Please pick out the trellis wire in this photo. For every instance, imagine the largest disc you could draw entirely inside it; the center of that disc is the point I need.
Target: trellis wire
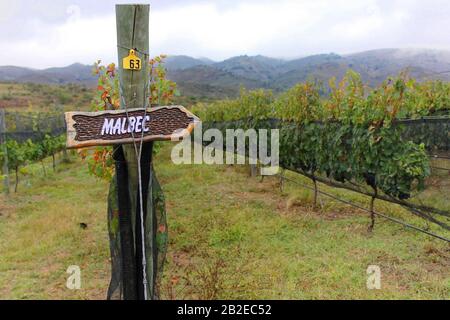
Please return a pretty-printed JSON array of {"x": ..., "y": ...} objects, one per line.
[
  {"x": 138, "y": 155},
  {"x": 435, "y": 143},
  {"x": 365, "y": 209}
]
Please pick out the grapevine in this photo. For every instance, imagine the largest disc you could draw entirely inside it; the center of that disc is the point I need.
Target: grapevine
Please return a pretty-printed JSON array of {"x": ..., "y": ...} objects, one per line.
[
  {"x": 20, "y": 154},
  {"x": 349, "y": 134},
  {"x": 161, "y": 92}
]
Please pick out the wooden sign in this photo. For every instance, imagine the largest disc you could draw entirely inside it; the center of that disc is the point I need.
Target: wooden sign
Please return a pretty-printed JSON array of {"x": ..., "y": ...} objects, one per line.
[{"x": 85, "y": 129}]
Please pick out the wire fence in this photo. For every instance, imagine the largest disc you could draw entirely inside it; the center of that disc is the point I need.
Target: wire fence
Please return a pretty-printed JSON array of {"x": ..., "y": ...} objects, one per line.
[{"x": 371, "y": 211}]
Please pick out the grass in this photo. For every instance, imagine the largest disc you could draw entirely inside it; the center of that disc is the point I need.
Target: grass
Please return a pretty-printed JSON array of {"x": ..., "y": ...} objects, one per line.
[
  {"x": 40, "y": 235},
  {"x": 230, "y": 237},
  {"x": 44, "y": 97}
]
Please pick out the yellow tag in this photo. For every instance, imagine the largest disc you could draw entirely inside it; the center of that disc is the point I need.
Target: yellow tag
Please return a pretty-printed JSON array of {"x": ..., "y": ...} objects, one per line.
[{"x": 132, "y": 62}]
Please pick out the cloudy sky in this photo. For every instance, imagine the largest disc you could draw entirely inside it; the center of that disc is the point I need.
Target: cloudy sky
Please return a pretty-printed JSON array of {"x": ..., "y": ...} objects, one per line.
[{"x": 45, "y": 33}]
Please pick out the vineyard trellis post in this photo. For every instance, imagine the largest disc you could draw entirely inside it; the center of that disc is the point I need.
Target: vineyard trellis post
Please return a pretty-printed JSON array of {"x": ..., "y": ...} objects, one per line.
[
  {"x": 134, "y": 195},
  {"x": 5, "y": 170},
  {"x": 372, "y": 210},
  {"x": 132, "y": 22},
  {"x": 253, "y": 170}
]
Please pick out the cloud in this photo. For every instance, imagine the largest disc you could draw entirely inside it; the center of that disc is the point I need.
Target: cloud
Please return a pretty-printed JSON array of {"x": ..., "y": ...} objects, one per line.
[
  {"x": 206, "y": 30},
  {"x": 77, "y": 39},
  {"x": 48, "y": 33},
  {"x": 7, "y": 10}
]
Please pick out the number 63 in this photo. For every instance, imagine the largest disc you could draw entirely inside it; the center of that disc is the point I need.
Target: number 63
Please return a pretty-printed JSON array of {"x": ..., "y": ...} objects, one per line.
[{"x": 134, "y": 64}]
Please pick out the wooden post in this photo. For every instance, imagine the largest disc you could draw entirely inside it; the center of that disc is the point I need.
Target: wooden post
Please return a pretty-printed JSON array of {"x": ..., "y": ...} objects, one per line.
[
  {"x": 133, "y": 244},
  {"x": 315, "y": 190},
  {"x": 5, "y": 170},
  {"x": 281, "y": 180},
  {"x": 253, "y": 169},
  {"x": 133, "y": 34},
  {"x": 372, "y": 212}
]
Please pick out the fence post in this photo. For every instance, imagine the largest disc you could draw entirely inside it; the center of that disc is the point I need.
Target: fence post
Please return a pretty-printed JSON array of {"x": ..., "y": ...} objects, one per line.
[
  {"x": 132, "y": 23},
  {"x": 5, "y": 151},
  {"x": 253, "y": 169},
  {"x": 372, "y": 212}
]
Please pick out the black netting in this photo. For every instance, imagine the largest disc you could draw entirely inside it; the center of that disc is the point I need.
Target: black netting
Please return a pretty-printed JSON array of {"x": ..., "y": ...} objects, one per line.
[
  {"x": 434, "y": 132},
  {"x": 21, "y": 126},
  {"x": 156, "y": 243},
  {"x": 124, "y": 233},
  {"x": 429, "y": 201}
]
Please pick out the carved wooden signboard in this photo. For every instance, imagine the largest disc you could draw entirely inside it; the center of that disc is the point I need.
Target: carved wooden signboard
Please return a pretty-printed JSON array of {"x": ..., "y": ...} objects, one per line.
[{"x": 111, "y": 127}]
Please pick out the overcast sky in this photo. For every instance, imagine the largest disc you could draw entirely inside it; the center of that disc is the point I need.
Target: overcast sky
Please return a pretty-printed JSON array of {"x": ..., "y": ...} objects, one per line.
[{"x": 46, "y": 33}]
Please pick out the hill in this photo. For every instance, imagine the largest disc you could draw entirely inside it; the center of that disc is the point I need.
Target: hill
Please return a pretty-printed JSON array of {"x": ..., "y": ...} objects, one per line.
[
  {"x": 257, "y": 68},
  {"x": 185, "y": 62},
  {"x": 207, "y": 81},
  {"x": 206, "y": 78},
  {"x": 76, "y": 73}
]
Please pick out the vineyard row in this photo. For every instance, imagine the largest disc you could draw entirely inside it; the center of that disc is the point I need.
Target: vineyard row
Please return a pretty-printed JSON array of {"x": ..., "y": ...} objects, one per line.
[{"x": 353, "y": 135}]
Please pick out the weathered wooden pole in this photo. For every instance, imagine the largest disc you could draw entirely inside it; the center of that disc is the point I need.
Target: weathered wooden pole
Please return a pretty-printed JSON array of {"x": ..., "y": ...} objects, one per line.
[
  {"x": 133, "y": 34},
  {"x": 136, "y": 210},
  {"x": 5, "y": 170}
]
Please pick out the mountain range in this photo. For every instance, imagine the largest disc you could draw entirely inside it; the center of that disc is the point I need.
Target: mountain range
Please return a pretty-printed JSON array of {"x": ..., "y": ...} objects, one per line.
[{"x": 206, "y": 78}]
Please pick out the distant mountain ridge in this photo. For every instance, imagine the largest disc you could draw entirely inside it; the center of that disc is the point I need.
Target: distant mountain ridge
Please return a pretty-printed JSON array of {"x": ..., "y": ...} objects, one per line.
[
  {"x": 204, "y": 77},
  {"x": 185, "y": 62},
  {"x": 74, "y": 73}
]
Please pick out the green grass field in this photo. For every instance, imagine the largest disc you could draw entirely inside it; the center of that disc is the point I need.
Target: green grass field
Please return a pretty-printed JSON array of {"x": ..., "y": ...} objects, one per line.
[{"x": 230, "y": 237}]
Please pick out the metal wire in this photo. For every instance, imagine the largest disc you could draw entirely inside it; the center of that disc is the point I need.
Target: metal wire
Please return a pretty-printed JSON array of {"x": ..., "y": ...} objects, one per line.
[
  {"x": 138, "y": 158},
  {"x": 439, "y": 157},
  {"x": 440, "y": 168},
  {"x": 367, "y": 210},
  {"x": 135, "y": 49},
  {"x": 138, "y": 155}
]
